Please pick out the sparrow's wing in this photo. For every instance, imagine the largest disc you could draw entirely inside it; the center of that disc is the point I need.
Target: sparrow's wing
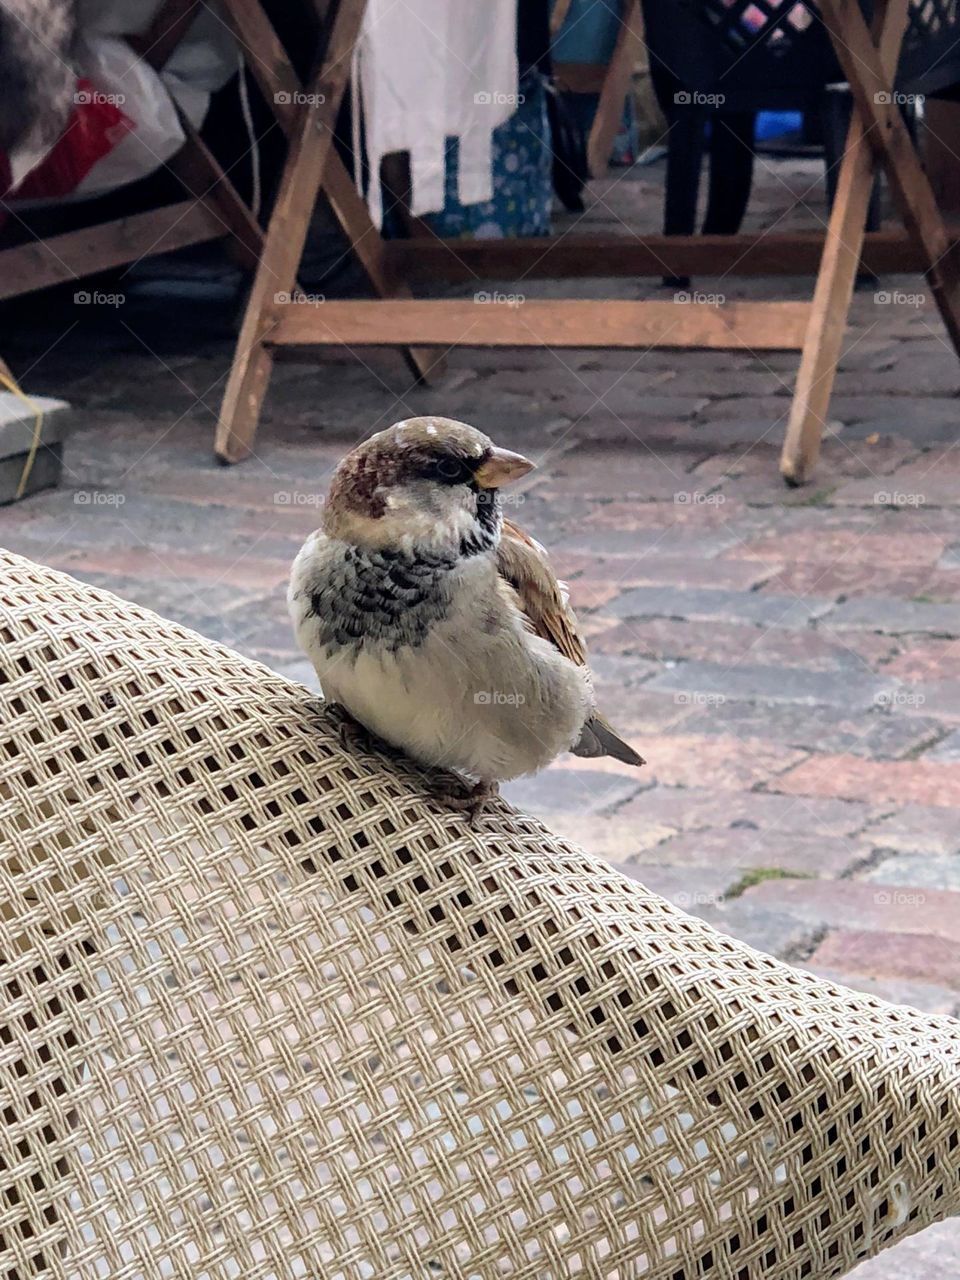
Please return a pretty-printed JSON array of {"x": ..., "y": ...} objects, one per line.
[
  {"x": 542, "y": 599},
  {"x": 545, "y": 604}
]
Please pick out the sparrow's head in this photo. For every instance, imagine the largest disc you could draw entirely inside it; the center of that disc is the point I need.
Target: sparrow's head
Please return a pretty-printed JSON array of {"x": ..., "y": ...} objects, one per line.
[{"x": 425, "y": 483}]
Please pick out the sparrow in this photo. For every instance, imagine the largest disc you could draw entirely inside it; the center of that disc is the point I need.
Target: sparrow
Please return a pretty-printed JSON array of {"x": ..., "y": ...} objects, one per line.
[{"x": 435, "y": 623}]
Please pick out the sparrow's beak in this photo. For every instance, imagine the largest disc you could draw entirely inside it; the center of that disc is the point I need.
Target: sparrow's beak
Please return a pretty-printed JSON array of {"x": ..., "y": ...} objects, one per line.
[{"x": 501, "y": 467}]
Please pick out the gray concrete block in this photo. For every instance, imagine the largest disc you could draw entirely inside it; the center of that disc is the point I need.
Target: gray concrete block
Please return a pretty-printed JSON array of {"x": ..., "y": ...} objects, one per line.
[{"x": 17, "y": 428}]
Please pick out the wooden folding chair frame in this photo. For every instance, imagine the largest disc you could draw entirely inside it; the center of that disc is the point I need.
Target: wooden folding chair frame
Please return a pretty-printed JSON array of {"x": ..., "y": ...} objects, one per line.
[
  {"x": 307, "y": 114},
  {"x": 276, "y": 316},
  {"x": 877, "y": 136}
]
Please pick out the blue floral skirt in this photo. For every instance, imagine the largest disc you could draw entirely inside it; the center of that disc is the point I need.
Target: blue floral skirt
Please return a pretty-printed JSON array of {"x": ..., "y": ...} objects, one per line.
[{"x": 522, "y": 177}]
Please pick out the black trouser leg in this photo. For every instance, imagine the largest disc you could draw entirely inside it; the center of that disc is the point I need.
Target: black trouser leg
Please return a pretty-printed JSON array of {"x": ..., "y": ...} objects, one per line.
[
  {"x": 836, "y": 113},
  {"x": 731, "y": 171},
  {"x": 685, "y": 142}
]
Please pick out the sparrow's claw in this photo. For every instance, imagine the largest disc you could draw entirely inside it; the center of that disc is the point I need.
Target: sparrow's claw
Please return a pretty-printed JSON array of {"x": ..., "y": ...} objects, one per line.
[
  {"x": 478, "y": 797},
  {"x": 470, "y": 801},
  {"x": 352, "y": 734}
]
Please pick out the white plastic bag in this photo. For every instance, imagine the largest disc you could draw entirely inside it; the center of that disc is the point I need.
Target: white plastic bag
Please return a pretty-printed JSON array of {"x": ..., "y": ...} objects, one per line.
[
  {"x": 202, "y": 62},
  {"x": 140, "y": 93}
]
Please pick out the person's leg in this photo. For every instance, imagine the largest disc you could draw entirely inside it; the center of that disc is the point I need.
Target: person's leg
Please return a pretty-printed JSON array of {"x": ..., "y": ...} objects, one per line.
[
  {"x": 731, "y": 171},
  {"x": 685, "y": 141}
]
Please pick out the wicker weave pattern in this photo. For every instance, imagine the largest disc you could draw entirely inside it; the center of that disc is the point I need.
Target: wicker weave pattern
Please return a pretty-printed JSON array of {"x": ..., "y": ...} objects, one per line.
[{"x": 270, "y": 1013}]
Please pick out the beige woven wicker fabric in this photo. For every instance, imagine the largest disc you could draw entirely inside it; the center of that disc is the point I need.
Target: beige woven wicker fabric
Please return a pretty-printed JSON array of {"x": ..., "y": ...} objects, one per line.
[{"x": 270, "y": 1013}]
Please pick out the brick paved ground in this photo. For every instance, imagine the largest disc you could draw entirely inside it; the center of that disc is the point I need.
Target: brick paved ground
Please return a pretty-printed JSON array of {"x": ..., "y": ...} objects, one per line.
[{"x": 789, "y": 662}]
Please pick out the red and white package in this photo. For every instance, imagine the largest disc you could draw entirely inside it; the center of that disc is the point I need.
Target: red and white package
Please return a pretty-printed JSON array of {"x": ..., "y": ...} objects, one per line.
[
  {"x": 96, "y": 126},
  {"x": 125, "y": 122}
]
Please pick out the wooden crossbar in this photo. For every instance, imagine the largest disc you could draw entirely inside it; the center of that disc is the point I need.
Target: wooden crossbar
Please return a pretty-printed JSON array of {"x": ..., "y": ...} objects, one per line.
[
  {"x": 38, "y": 264},
  {"x": 538, "y": 323},
  {"x": 596, "y": 256}
]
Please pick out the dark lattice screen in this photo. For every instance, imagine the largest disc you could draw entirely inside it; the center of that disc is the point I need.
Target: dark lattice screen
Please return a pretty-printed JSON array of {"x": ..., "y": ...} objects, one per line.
[
  {"x": 743, "y": 23},
  {"x": 933, "y": 28},
  {"x": 931, "y": 44},
  {"x": 930, "y": 17}
]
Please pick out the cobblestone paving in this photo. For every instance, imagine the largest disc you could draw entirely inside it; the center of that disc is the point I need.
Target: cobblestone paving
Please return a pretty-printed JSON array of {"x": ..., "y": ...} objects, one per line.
[{"x": 788, "y": 661}]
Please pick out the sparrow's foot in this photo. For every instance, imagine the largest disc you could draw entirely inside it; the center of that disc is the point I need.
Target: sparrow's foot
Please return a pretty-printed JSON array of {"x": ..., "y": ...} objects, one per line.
[
  {"x": 353, "y": 736},
  {"x": 470, "y": 801}
]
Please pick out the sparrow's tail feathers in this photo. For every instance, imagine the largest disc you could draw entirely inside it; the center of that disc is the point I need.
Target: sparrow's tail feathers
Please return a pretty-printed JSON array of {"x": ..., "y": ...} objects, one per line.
[{"x": 599, "y": 738}]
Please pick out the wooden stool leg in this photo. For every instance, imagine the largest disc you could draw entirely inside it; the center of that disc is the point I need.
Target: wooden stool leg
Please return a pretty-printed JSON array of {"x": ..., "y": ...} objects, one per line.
[
  {"x": 835, "y": 281},
  {"x": 311, "y": 147},
  {"x": 870, "y": 83},
  {"x": 275, "y": 277},
  {"x": 828, "y": 317}
]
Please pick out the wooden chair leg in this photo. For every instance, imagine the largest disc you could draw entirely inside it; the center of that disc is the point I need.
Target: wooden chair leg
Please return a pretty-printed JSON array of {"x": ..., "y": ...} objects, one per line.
[
  {"x": 836, "y": 279},
  {"x": 310, "y": 150},
  {"x": 616, "y": 84},
  {"x": 275, "y": 276},
  {"x": 828, "y": 317},
  {"x": 870, "y": 83}
]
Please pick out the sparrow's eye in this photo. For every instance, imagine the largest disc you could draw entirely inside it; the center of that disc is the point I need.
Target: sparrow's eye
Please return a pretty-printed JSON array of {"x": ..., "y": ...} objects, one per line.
[{"x": 451, "y": 471}]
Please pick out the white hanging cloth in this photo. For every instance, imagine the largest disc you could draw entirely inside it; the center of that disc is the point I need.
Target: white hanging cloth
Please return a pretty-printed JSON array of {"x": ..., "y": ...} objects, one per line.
[{"x": 426, "y": 70}]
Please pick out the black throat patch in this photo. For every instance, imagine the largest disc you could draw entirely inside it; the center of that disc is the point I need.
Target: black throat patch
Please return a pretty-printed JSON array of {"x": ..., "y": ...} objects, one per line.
[{"x": 489, "y": 523}]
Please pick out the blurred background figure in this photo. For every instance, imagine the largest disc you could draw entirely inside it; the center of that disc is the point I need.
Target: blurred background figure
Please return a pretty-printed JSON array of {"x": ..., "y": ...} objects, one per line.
[{"x": 37, "y": 78}]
